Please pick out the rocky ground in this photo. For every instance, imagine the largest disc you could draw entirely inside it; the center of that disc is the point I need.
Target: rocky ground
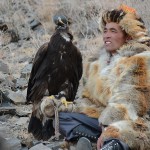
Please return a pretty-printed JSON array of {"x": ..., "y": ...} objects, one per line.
[
  {"x": 21, "y": 34},
  {"x": 23, "y": 29},
  {"x": 24, "y": 26}
]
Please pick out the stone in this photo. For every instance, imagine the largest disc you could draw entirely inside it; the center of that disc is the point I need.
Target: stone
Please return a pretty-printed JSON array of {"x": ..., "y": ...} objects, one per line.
[
  {"x": 22, "y": 120},
  {"x": 14, "y": 35},
  {"x": 3, "y": 131},
  {"x": 4, "y": 99},
  {"x": 17, "y": 97},
  {"x": 14, "y": 144},
  {"x": 26, "y": 71},
  {"x": 24, "y": 148},
  {"x": 21, "y": 83},
  {"x": 24, "y": 92},
  {"x": 40, "y": 147},
  {"x": 22, "y": 113},
  {"x": 4, "y": 67},
  {"x": 34, "y": 23},
  {"x": 3, "y": 144},
  {"x": 2, "y": 76},
  {"x": 7, "y": 110}
]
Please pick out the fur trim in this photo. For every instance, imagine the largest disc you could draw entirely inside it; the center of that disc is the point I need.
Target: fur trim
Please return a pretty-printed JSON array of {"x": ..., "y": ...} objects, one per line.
[
  {"x": 125, "y": 131},
  {"x": 132, "y": 48},
  {"x": 129, "y": 21},
  {"x": 134, "y": 27}
]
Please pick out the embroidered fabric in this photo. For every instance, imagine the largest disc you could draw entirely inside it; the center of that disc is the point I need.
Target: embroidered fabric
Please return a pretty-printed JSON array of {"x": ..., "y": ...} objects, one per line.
[
  {"x": 85, "y": 131},
  {"x": 114, "y": 144}
]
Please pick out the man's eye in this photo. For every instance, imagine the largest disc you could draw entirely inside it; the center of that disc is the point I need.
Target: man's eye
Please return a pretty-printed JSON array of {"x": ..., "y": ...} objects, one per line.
[{"x": 114, "y": 31}]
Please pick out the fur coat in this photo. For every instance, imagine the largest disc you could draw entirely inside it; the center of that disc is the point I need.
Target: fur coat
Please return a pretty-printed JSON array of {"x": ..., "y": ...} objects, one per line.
[{"x": 116, "y": 90}]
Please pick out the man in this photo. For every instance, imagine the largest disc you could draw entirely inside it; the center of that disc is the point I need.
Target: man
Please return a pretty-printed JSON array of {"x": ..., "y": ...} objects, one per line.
[{"x": 116, "y": 88}]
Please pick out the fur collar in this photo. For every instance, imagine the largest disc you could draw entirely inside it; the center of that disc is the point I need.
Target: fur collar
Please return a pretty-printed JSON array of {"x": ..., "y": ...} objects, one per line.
[{"x": 132, "y": 48}]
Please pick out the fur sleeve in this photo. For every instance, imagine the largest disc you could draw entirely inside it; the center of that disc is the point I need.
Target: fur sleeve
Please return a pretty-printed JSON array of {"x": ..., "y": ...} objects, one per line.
[{"x": 129, "y": 102}]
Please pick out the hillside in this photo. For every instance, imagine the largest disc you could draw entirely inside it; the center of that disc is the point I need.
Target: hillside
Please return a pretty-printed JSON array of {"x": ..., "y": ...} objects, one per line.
[{"x": 24, "y": 26}]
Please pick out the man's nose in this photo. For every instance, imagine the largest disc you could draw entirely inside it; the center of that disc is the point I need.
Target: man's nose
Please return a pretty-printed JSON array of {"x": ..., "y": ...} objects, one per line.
[{"x": 107, "y": 35}]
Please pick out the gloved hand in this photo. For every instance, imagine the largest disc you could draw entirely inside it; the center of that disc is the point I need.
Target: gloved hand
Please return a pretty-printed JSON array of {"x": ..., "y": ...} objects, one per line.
[{"x": 50, "y": 103}]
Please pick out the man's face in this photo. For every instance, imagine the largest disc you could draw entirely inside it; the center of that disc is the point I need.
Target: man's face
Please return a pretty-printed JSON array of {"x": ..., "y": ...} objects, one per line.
[{"x": 113, "y": 37}]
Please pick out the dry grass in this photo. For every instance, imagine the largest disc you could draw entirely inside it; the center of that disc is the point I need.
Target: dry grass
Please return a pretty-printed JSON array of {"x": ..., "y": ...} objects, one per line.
[{"x": 85, "y": 15}]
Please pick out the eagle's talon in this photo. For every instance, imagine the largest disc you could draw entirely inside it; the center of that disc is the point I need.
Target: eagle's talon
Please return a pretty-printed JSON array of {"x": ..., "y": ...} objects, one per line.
[
  {"x": 52, "y": 97},
  {"x": 65, "y": 102}
]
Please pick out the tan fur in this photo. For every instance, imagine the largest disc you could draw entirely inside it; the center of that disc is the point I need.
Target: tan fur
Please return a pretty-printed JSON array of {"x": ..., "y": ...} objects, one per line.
[
  {"x": 135, "y": 134},
  {"x": 128, "y": 83},
  {"x": 133, "y": 26},
  {"x": 110, "y": 132},
  {"x": 91, "y": 112}
]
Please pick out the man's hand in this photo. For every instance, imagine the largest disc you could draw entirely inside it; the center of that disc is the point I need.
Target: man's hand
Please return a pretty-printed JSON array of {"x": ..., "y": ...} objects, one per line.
[{"x": 99, "y": 143}]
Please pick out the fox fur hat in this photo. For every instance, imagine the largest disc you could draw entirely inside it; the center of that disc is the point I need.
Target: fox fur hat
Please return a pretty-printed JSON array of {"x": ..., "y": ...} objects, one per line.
[{"x": 129, "y": 21}]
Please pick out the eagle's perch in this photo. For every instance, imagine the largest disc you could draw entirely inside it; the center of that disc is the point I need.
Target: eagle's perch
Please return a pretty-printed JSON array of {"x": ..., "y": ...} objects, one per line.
[{"x": 57, "y": 68}]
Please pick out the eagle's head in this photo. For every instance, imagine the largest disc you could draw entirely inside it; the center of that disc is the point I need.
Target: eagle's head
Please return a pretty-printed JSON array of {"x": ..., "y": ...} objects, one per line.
[
  {"x": 61, "y": 21},
  {"x": 62, "y": 26}
]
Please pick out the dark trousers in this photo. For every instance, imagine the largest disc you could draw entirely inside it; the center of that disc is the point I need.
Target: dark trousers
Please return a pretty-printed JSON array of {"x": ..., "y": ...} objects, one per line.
[{"x": 69, "y": 122}]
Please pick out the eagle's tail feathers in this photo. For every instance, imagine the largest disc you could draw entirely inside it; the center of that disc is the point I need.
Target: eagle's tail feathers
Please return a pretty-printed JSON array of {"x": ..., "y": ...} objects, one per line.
[
  {"x": 39, "y": 131},
  {"x": 35, "y": 127},
  {"x": 48, "y": 130}
]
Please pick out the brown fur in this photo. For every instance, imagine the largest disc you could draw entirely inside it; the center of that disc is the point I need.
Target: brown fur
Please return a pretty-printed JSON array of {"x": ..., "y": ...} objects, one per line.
[
  {"x": 110, "y": 132},
  {"x": 91, "y": 112}
]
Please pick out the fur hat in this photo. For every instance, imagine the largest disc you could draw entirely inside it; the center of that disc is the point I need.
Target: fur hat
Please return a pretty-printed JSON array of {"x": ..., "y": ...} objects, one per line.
[{"x": 129, "y": 21}]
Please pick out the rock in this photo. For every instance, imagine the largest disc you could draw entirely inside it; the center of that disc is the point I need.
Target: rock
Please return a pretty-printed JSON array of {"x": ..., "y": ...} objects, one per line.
[
  {"x": 8, "y": 82},
  {"x": 3, "y": 131},
  {"x": 14, "y": 35},
  {"x": 26, "y": 71},
  {"x": 4, "y": 118},
  {"x": 3, "y": 26},
  {"x": 3, "y": 143},
  {"x": 21, "y": 83},
  {"x": 24, "y": 148},
  {"x": 14, "y": 144},
  {"x": 24, "y": 92},
  {"x": 55, "y": 145},
  {"x": 23, "y": 59},
  {"x": 7, "y": 142},
  {"x": 28, "y": 141},
  {"x": 17, "y": 97},
  {"x": 2, "y": 76},
  {"x": 4, "y": 99},
  {"x": 22, "y": 121},
  {"x": 24, "y": 33},
  {"x": 34, "y": 23},
  {"x": 16, "y": 76},
  {"x": 22, "y": 113},
  {"x": 40, "y": 147},
  {"x": 4, "y": 67},
  {"x": 7, "y": 110},
  {"x": 23, "y": 110}
]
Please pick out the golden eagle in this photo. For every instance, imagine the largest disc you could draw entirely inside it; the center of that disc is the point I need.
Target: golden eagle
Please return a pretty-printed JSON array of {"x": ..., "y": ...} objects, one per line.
[{"x": 57, "y": 68}]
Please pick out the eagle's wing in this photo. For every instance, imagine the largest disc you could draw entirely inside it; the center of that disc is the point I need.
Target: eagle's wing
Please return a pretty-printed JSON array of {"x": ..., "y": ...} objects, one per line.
[
  {"x": 33, "y": 84},
  {"x": 78, "y": 73},
  {"x": 79, "y": 65}
]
